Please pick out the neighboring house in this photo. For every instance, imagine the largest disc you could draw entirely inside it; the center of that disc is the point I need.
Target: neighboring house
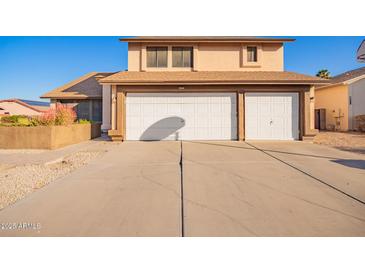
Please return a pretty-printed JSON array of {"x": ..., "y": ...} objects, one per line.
[
  {"x": 205, "y": 88},
  {"x": 22, "y": 107},
  {"x": 339, "y": 102},
  {"x": 83, "y": 94}
]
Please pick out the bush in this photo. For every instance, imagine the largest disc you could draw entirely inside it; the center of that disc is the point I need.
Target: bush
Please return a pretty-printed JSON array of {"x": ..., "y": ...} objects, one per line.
[
  {"x": 360, "y": 123},
  {"x": 64, "y": 115},
  {"x": 84, "y": 121},
  {"x": 47, "y": 118},
  {"x": 12, "y": 119},
  {"x": 61, "y": 116}
]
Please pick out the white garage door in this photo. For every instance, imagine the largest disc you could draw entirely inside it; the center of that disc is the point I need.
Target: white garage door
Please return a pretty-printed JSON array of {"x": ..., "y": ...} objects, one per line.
[
  {"x": 181, "y": 116},
  {"x": 271, "y": 116}
]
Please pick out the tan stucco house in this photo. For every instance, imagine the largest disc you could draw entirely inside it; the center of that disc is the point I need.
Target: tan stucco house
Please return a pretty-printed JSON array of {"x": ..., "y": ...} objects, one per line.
[
  {"x": 202, "y": 88},
  {"x": 22, "y": 107},
  {"x": 84, "y": 94},
  {"x": 339, "y": 102}
]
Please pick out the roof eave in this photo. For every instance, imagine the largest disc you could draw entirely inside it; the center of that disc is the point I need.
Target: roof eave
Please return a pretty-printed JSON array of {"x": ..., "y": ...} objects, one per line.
[
  {"x": 329, "y": 85},
  {"x": 251, "y": 40},
  {"x": 69, "y": 97},
  {"x": 212, "y": 83}
]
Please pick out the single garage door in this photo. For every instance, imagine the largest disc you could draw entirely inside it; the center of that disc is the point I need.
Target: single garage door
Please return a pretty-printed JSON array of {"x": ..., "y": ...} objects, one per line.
[
  {"x": 181, "y": 116},
  {"x": 271, "y": 116}
]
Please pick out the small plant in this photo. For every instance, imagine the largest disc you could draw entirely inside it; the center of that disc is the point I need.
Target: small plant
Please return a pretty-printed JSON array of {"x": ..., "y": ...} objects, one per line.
[
  {"x": 61, "y": 116},
  {"x": 47, "y": 118},
  {"x": 64, "y": 115},
  {"x": 84, "y": 121},
  {"x": 360, "y": 123},
  {"x": 12, "y": 119}
]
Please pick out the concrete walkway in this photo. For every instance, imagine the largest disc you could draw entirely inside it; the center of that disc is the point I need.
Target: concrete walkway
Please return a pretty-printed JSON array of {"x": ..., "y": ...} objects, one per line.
[{"x": 229, "y": 189}]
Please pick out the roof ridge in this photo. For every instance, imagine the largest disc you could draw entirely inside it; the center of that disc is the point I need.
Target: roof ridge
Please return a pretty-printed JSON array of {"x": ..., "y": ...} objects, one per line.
[
  {"x": 72, "y": 83},
  {"x": 349, "y": 71}
]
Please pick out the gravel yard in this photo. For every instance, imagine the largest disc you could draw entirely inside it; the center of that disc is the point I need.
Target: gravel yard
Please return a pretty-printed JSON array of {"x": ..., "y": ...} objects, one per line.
[
  {"x": 18, "y": 181},
  {"x": 349, "y": 141}
]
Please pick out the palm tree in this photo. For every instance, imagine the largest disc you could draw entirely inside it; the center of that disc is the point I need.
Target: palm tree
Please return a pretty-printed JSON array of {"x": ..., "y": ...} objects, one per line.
[{"x": 324, "y": 73}]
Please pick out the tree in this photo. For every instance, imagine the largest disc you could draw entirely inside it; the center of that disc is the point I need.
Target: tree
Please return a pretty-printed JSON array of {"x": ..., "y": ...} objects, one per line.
[{"x": 324, "y": 73}]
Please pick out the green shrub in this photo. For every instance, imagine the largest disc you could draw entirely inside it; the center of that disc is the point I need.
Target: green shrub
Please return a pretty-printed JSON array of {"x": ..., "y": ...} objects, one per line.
[
  {"x": 84, "y": 121},
  {"x": 12, "y": 119},
  {"x": 23, "y": 121}
]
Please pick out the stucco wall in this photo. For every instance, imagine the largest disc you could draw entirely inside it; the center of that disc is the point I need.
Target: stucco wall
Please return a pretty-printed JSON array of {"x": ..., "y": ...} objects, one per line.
[
  {"x": 357, "y": 107},
  {"x": 335, "y": 100},
  {"x": 106, "y": 108},
  {"x": 216, "y": 57},
  {"x": 16, "y": 109},
  {"x": 46, "y": 137}
]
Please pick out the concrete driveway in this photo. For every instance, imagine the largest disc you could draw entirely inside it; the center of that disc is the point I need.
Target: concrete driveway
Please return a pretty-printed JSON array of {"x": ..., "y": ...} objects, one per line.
[{"x": 221, "y": 189}]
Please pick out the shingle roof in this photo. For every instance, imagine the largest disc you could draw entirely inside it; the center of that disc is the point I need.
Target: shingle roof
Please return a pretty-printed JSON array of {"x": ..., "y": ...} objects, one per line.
[
  {"x": 206, "y": 39},
  {"x": 348, "y": 75},
  {"x": 86, "y": 86},
  {"x": 214, "y": 77}
]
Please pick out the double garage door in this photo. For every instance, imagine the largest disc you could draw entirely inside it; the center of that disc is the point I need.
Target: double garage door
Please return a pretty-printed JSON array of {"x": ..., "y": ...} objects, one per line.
[{"x": 210, "y": 116}]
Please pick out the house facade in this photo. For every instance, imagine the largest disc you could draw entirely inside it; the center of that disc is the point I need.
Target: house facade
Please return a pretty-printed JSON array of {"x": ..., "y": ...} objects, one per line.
[
  {"x": 200, "y": 88},
  {"x": 208, "y": 88},
  {"x": 340, "y": 101}
]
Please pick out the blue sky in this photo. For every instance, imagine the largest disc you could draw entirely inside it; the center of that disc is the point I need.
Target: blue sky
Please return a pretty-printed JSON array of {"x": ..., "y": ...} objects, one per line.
[{"x": 31, "y": 66}]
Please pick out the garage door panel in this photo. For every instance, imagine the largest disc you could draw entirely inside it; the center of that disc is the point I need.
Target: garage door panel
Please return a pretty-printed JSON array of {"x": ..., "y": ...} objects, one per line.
[
  {"x": 188, "y": 108},
  {"x": 271, "y": 116},
  {"x": 173, "y": 109},
  {"x": 202, "y": 108},
  {"x": 205, "y": 116}
]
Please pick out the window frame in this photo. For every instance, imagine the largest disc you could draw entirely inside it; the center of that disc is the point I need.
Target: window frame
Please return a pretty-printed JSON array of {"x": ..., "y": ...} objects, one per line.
[
  {"x": 156, "y": 49},
  {"x": 255, "y": 54},
  {"x": 244, "y": 56},
  {"x": 183, "y": 50}
]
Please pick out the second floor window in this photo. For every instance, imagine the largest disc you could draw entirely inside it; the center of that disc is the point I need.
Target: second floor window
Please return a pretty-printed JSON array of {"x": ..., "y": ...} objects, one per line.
[
  {"x": 251, "y": 54},
  {"x": 182, "y": 57},
  {"x": 157, "y": 57}
]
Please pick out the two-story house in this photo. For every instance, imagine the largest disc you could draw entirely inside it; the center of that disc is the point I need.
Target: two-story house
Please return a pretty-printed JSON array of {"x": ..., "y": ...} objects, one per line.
[{"x": 206, "y": 88}]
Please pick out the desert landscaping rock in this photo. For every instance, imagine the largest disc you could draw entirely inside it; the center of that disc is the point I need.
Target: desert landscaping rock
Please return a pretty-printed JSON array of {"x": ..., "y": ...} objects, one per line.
[
  {"x": 350, "y": 141},
  {"x": 19, "y": 181}
]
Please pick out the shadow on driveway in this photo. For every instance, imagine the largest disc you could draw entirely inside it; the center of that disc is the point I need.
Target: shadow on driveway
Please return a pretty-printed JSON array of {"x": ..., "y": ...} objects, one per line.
[{"x": 360, "y": 164}]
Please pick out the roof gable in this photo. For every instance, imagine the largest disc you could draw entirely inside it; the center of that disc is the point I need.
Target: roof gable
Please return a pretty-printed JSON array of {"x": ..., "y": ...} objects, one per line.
[{"x": 87, "y": 86}]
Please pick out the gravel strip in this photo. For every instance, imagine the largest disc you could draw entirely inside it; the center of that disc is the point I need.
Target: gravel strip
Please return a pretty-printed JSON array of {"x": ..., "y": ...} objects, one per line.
[
  {"x": 349, "y": 141},
  {"x": 17, "y": 182}
]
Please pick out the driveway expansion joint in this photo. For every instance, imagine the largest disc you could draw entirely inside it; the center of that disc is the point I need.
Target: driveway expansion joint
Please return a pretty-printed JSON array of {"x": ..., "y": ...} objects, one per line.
[{"x": 182, "y": 190}]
